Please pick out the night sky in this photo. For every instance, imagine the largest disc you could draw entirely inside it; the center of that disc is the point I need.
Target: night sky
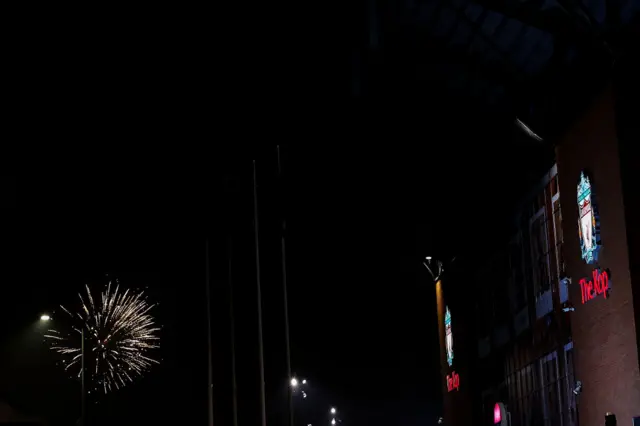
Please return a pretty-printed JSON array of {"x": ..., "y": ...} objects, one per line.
[
  {"x": 362, "y": 314},
  {"x": 158, "y": 120}
]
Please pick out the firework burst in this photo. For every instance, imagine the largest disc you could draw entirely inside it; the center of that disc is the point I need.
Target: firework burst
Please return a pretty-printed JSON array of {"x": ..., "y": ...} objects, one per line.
[{"x": 120, "y": 336}]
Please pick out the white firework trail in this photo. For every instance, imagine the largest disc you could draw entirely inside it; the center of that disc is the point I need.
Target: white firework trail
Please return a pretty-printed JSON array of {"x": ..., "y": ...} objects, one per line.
[{"x": 120, "y": 336}]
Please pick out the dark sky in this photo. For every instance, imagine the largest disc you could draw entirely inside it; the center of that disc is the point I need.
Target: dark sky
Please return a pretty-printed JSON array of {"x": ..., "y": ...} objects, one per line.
[
  {"x": 360, "y": 218},
  {"x": 154, "y": 116}
]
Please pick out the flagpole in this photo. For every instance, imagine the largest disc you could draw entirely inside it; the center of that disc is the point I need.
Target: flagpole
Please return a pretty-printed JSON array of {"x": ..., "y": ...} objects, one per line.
[
  {"x": 210, "y": 373},
  {"x": 263, "y": 408},
  {"x": 234, "y": 387},
  {"x": 285, "y": 293}
]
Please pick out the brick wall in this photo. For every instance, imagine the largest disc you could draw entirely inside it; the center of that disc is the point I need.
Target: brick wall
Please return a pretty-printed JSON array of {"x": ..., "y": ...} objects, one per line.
[
  {"x": 627, "y": 94},
  {"x": 604, "y": 330}
]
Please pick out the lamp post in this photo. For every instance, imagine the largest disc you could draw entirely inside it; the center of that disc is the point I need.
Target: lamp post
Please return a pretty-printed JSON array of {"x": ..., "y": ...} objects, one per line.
[
  {"x": 46, "y": 318},
  {"x": 82, "y": 412}
]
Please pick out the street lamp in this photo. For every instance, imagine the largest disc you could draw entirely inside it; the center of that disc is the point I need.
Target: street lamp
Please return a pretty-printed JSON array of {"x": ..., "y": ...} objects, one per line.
[
  {"x": 333, "y": 410},
  {"x": 295, "y": 386},
  {"x": 296, "y": 383},
  {"x": 333, "y": 421},
  {"x": 83, "y": 412},
  {"x": 45, "y": 318}
]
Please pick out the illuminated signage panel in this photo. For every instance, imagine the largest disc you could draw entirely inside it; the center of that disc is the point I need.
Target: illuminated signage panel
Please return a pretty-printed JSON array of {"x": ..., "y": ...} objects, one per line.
[
  {"x": 449, "y": 336},
  {"x": 588, "y": 221}
]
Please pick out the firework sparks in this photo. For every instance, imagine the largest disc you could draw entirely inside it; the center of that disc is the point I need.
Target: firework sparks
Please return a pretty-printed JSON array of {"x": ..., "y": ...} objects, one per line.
[{"x": 119, "y": 334}]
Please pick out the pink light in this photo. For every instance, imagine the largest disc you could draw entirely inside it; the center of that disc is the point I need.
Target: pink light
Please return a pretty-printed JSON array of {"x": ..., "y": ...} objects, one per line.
[{"x": 497, "y": 414}]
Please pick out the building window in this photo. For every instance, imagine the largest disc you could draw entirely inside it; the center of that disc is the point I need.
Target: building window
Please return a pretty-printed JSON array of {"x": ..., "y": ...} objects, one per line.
[
  {"x": 517, "y": 283},
  {"x": 539, "y": 394},
  {"x": 558, "y": 237},
  {"x": 547, "y": 238},
  {"x": 550, "y": 390},
  {"x": 570, "y": 414},
  {"x": 521, "y": 390},
  {"x": 540, "y": 253}
]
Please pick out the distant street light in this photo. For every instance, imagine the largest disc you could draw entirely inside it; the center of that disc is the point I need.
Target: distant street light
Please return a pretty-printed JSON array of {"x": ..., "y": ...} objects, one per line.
[
  {"x": 333, "y": 421},
  {"x": 45, "y": 317},
  {"x": 297, "y": 383},
  {"x": 333, "y": 410}
]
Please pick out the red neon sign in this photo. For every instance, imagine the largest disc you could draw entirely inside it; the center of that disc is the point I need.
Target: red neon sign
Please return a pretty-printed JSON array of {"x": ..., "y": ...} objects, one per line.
[
  {"x": 453, "y": 382},
  {"x": 597, "y": 285}
]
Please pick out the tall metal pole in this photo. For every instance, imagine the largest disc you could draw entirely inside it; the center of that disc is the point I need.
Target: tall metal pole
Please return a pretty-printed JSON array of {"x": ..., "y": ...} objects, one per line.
[
  {"x": 234, "y": 386},
  {"x": 286, "y": 298},
  {"x": 83, "y": 419},
  {"x": 263, "y": 406},
  {"x": 210, "y": 361}
]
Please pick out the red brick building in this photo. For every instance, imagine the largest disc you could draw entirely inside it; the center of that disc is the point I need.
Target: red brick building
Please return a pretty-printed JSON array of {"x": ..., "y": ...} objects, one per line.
[
  {"x": 604, "y": 323},
  {"x": 551, "y": 325}
]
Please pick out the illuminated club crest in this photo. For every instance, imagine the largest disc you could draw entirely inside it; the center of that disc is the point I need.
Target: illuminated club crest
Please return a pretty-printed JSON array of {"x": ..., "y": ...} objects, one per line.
[
  {"x": 449, "y": 336},
  {"x": 588, "y": 221}
]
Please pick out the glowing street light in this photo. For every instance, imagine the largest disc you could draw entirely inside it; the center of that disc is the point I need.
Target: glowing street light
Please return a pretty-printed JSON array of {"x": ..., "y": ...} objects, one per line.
[
  {"x": 333, "y": 410},
  {"x": 45, "y": 317},
  {"x": 304, "y": 381},
  {"x": 333, "y": 421},
  {"x": 294, "y": 382}
]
